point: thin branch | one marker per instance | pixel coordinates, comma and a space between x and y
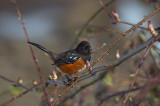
135, 51
141, 27
89, 20
141, 22
114, 31
153, 52
32, 52
144, 91
144, 56
13, 82
105, 8
22, 94
117, 94
128, 23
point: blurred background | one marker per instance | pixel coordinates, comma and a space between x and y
55, 25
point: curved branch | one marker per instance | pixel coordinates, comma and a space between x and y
117, 94
18, 84
89, 20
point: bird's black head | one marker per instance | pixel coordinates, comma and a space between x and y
84, 48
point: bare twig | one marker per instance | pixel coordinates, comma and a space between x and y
32, 52
114, 31
13, 82
144, 91
89, 20
140, 65
141, 22
153, 52
128, 23
105, 8
117, 94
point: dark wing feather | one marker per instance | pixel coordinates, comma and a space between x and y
68, 57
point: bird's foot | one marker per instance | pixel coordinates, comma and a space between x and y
70, 80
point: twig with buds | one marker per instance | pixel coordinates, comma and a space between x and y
13, 82
22, 94
31, 50
140, 65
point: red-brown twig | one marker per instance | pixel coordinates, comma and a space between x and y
144, 91
114, 31
105, 8
32, 52
128, 23
144, 56
141, 22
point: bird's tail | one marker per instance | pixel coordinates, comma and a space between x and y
52, 56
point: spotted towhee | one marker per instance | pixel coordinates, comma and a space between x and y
72, 61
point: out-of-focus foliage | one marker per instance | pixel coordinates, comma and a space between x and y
15, 90
108, 80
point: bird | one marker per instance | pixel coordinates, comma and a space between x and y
71, 61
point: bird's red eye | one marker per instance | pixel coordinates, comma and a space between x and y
85, 47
